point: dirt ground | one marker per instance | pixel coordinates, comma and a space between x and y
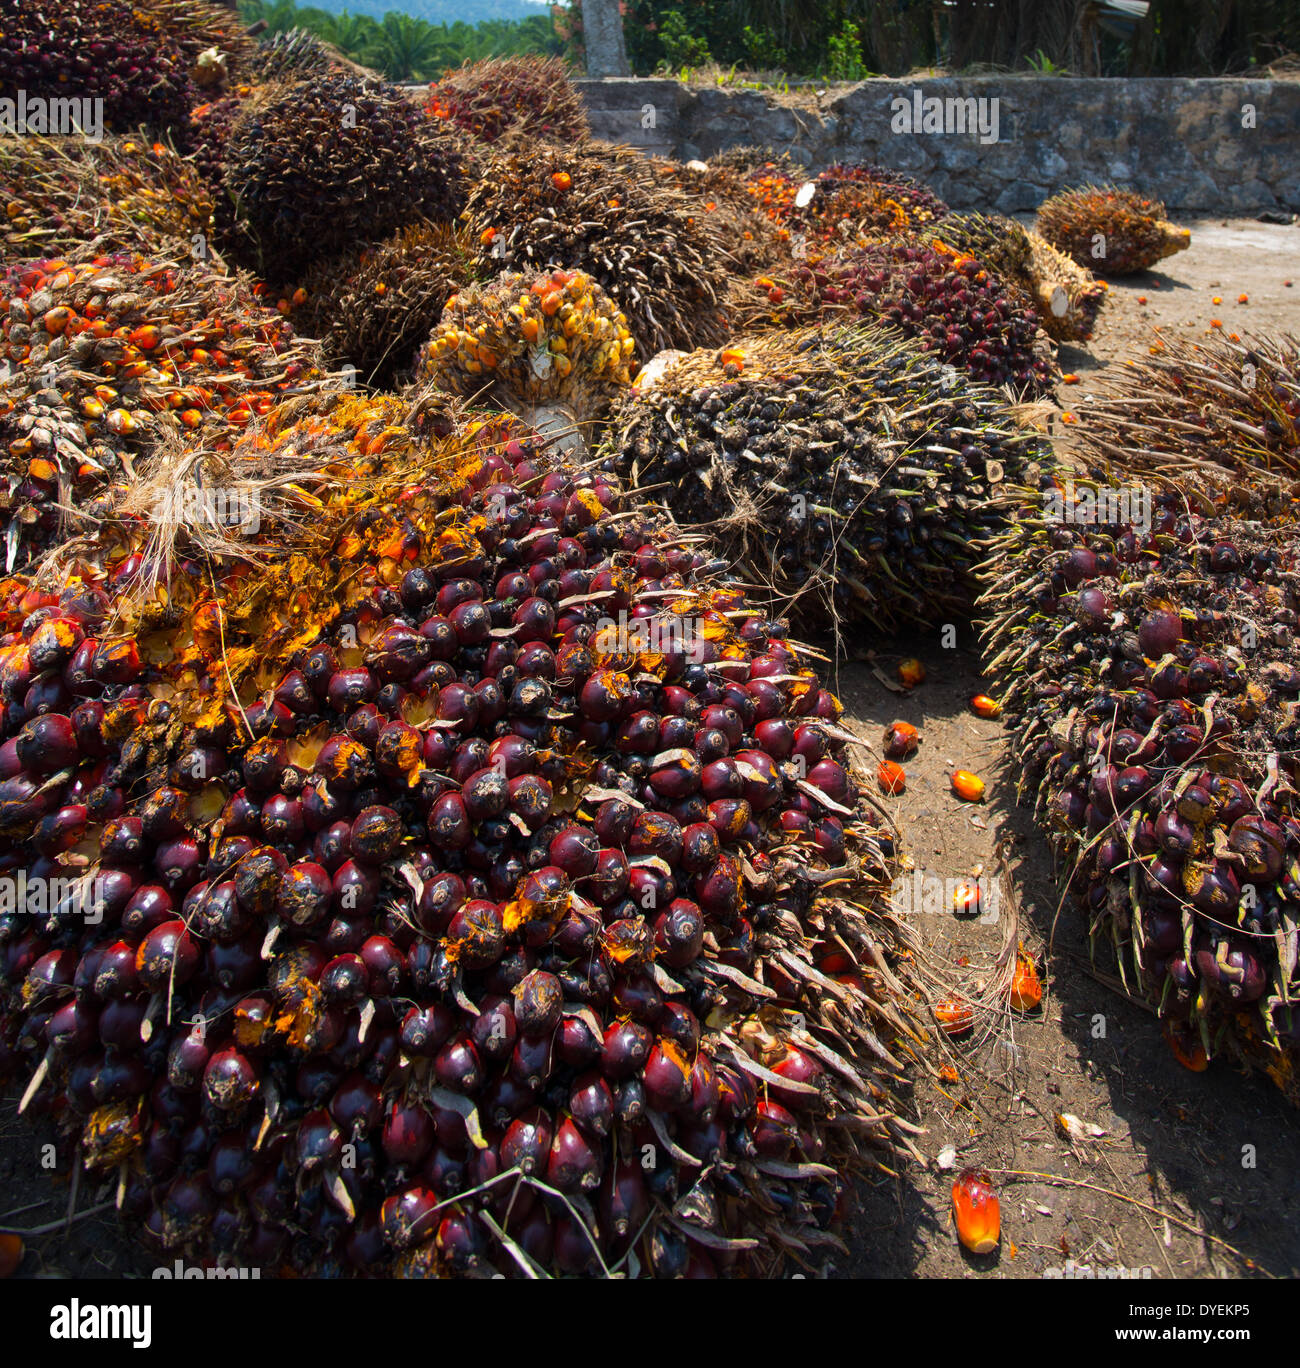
1179, 1197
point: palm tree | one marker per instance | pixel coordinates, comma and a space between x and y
352, 33
407, 49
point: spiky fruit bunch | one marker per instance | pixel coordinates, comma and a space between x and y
99, 50
1068, 296
747, 158
292, 55
510, 97
212, 38
854, 475
846, 204
605, 211
957, 311
374, 308
1065, 297
331, 162
112, 355
753, 242
1220, 415
1111, 231
122, 192
511, 901
552, 347
1147, 656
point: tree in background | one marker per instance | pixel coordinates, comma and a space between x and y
602, 31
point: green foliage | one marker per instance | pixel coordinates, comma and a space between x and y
403, 48
844, 54
681, 47
762, 51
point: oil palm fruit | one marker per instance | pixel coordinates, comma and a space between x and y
517, 99
1111, 231
1065, 297
1151, 678
114, 355
957, 311
753, 242
124, 192
105, 50
374, 307
850, 472
607, 212
552, 347
388, 785
1220, 415
332, 161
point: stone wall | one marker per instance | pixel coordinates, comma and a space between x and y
1222, 146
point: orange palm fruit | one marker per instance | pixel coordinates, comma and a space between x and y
891, 777
1187, 1047
967, 786
901, 739
984, 706
954, 1016
1026, 987
976, 1211
561, 180
911, 672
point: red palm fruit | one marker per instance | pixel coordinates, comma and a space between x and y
774, 1130
168, 957
305, 895
375, 835
425, 1029
494, 1031
575, 850
356, 889
476, 934
120, 1023
577, 1044
449, 823
409, 1217
706, 1093
538, 1002
700, 847
532, 1060
667, 1076
345, 979
624, 1200
149, 906
115, 975
385, 966
318, 1142
591, 1104
457, 1065
679, 933
613, 823
47, 744
230, 1082
408, 1134
574, 1164
976, 1211
526, 1144
800, 1068
442, 898
718, 891
625, 1049
356, 1105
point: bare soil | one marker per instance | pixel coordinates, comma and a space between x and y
1171, 1155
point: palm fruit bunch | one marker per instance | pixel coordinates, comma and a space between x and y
449, 927
552, 348
1065, 297
1146, 655
958, 311
1115, 232
105, 50
515, 98
753, 243
606, 211
1069, 297
1219, 415
375, 307
122, 192
111, 355
853, 474
330, 162
293, 55
845, 204
211, 37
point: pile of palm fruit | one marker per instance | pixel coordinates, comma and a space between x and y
405, 848
518, 99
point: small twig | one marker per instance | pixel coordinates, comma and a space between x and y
61, 1224
1133, 1201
